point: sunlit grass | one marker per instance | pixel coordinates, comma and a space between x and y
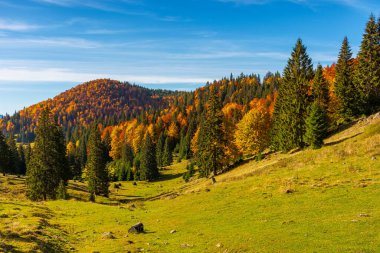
323, 200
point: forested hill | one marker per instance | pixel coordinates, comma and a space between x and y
106, 101
111, 102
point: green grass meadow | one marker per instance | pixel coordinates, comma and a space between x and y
325, 200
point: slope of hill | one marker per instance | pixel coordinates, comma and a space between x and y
110, 103
102, 100
323, 200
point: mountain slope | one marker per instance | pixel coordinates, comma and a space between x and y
102, 100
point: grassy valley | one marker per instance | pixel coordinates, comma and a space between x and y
324, 200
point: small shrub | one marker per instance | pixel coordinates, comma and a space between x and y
189, 173
259, 156
92, 197
61, 192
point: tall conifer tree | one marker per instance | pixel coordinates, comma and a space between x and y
292, 102
13, 155
345, 91
320, 88
167, 156
22, 163
4, 154
367, 77
211, 141
148, 166
47, 165
97, 174
160, 150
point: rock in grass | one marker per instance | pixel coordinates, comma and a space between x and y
289, 191
186, 245
108, 235
138, 228
219, 245
173, 231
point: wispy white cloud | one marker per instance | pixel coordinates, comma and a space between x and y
67, 75
49, 42
103, 31
227, 54
323, 57
97, 5
360, 5
7, 25
106, 7
106, 31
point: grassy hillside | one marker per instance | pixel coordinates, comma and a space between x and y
325, 200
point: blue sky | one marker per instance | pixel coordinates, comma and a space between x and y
49, 46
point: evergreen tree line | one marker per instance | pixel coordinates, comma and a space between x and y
301, 112
13, 158
48, 171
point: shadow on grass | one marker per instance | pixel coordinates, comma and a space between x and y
341, 140
77, 188
43, 242
166, 177
127, 196
8, 248
342, 128
23, 205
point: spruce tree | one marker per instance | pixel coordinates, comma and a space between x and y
21, 158
97, 174
148, 166
13, 155
28, 153
320, 88
167, 156
345, 91
127, 153
61, 191
367, 77
211, 141
290, 109
107, 146
60, 149
160, 150
316, 126
4, 154
47, 165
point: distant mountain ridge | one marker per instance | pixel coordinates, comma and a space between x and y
103, 100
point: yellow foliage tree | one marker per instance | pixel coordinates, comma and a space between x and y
116, 143
252, 133
173, 131
138, 137
70, 148
194, 141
